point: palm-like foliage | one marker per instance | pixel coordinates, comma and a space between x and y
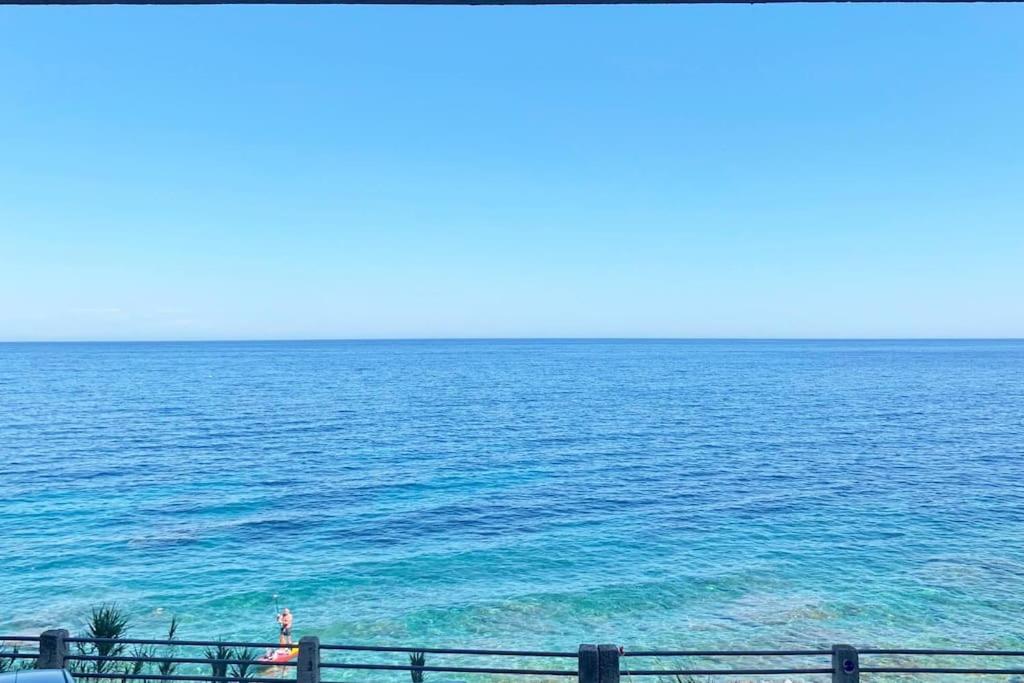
689, 679
134, 668
247, 657
216, 655
166, 667
7, 663
10, 662
107, 624
417, 660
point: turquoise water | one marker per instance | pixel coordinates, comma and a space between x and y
520, 494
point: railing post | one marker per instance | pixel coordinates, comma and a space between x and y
608, 663
307, 668
588, 664
845, 664
53, 648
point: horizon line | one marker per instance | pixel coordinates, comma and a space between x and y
481, 3
281, 340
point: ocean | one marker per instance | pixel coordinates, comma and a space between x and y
520, 494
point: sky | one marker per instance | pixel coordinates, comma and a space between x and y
306, 172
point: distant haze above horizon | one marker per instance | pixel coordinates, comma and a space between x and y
290, 172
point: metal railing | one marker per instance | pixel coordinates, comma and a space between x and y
110, 660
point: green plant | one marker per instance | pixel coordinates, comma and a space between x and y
689, 679
166, 667
140, 652
11, 662
107, 624
7, 663
138, 666
247, 658
417, 660
216, 656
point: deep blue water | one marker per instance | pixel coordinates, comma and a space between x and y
520, 493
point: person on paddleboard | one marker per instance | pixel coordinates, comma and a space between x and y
285, 620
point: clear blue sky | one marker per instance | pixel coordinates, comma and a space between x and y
673, 171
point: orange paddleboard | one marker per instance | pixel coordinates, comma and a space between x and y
279, 656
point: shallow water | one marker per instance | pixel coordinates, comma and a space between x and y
527, 494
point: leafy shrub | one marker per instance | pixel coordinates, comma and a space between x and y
247, 657
108, 624
218, 668
166, 667
417, 660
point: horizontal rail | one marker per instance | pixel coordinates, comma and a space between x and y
815, 653
449, 669
173, 660
183, 643
448, 651
111, 675
724, 672
983, 653
591, 663
933, 670
726, 653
